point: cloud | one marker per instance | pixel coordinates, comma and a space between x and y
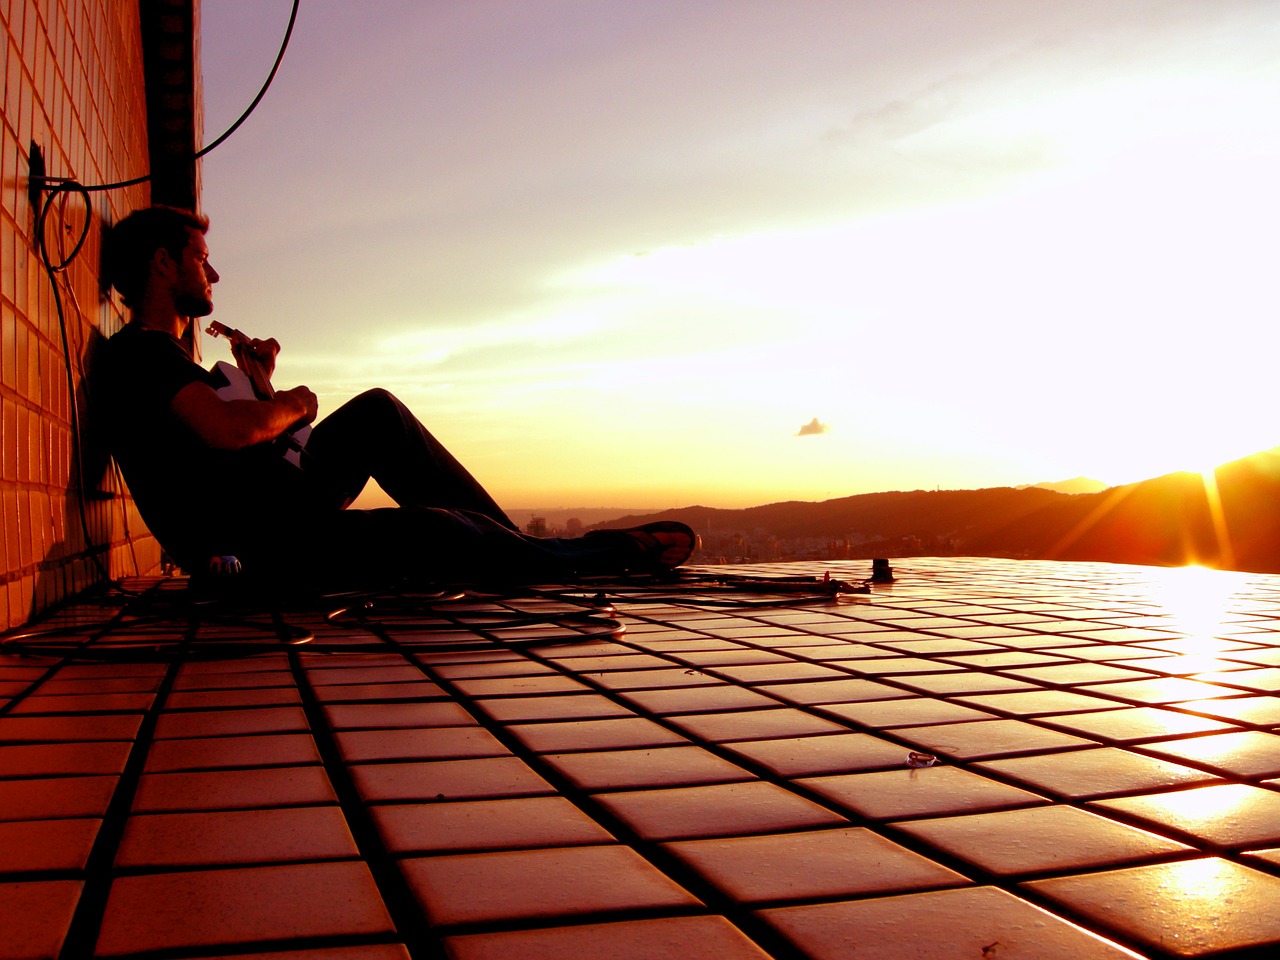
813, 428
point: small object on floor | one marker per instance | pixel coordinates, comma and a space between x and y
881, 572
224, 566
921, 759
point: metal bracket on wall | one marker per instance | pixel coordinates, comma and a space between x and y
35, 177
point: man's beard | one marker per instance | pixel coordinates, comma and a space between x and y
194, 305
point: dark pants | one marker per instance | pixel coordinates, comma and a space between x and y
446, 528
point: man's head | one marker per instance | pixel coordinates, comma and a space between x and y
161, 245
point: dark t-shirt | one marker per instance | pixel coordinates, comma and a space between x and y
199, 502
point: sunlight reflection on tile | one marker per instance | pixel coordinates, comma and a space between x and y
1196, 599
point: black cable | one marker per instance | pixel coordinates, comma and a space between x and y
52, 270
284, 45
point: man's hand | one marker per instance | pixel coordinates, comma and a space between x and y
260, 352
301, 398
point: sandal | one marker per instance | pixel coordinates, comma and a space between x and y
664, 544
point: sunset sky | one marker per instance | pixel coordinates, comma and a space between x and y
652, 253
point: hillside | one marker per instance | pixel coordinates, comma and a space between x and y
1169, 520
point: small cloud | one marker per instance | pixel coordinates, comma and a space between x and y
813, 428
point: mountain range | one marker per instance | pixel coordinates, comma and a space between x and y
1229, 519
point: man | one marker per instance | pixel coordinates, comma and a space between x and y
210, 480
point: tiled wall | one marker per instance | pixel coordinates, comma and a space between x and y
73, 85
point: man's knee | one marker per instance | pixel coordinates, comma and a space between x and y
378, 395
379, 402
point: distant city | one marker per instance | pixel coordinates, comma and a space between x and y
1229, 518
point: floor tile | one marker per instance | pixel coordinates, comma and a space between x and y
1264, 680
381, 716
233, 790
1039, 702
1041, 840
1073, 674
522, 686
772, 673
674, 766
448, 780
539, 885
977, 922
1158, 690
377, 692
332, 672
1229, 815
1135, 724
189, 680
1098, 772
672, 938
213, 753
218, 723
55, 797
723, 658
36, 915
924, 647
720, 696
1261, 711
42, 845
609, 734
754, 725
390, 951
235, 836
217, 699
989, 738
438, 743
810, 756
932, 791
717, 810
880, 714
103, 703
1249, 753
583, 706
896, 666
80, 727
476, 825
812, 864
850, 690
1006, 659
1190, 909
963, 681
56, 759
204, 908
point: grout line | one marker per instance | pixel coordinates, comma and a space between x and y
86, 921
420, 939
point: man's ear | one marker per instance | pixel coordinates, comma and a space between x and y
163, 263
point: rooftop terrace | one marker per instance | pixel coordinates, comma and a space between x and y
990, 760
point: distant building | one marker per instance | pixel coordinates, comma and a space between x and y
537, 527
573, 526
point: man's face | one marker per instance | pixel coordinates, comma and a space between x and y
192, 290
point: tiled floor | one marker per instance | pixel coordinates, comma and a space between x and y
702, 772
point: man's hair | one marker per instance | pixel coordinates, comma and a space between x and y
132, 243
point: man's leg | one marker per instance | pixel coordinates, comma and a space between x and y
375, 435
357, 548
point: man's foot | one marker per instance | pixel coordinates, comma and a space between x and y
664, 544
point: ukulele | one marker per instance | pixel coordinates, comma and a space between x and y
248, 380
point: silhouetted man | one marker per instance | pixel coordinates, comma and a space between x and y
211, 479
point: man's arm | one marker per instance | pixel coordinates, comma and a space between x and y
234, 424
